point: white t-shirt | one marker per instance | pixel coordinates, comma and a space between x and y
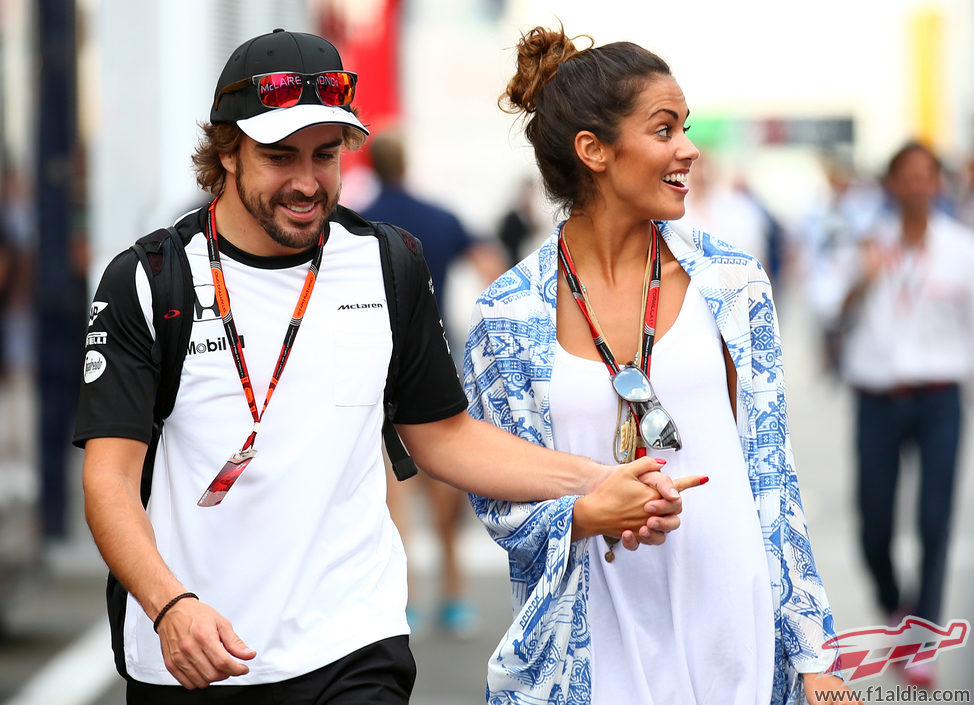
915, 324
689, 622
301, 556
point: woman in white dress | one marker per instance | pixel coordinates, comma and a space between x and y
730, 609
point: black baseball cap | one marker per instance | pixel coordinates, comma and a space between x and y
278, 51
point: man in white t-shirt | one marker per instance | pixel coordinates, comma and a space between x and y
907, 297
284, 572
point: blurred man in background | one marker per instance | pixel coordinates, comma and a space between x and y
717, 204
831, 224
906, 296
445, 242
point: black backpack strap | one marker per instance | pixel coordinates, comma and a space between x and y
164, 260
397, 252
163, 257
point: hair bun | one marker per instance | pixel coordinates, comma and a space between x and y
539, 54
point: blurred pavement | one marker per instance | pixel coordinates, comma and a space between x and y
54, 649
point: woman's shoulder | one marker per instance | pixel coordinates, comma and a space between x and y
526, 281
699, 250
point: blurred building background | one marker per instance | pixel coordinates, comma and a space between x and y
99, 106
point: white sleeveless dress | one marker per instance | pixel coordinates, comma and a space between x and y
689, 622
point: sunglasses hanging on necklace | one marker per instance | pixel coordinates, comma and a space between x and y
656, 427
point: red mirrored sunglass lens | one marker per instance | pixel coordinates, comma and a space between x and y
335, 88
280, 90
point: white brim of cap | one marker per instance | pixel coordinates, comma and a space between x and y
275, 125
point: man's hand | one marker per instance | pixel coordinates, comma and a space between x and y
635, 502
199, 645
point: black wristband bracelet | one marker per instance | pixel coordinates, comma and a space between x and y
173, 601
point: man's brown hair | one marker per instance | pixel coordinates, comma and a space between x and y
224, 138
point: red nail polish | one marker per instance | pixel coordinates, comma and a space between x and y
705, 480
660, 461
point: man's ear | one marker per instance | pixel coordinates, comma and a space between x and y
591, 151
229, 162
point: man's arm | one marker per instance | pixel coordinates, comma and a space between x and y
481, 458
871, 264
478, 457
198, 644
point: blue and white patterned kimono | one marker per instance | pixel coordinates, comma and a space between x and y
545, 657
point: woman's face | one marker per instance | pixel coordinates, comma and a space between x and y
648, 166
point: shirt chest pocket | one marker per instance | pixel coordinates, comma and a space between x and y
362, 361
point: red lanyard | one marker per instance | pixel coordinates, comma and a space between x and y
223, 300
650, 306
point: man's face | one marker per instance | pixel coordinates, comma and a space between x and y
292, 186
915, 181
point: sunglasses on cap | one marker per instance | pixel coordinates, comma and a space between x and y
284, 89
656, 426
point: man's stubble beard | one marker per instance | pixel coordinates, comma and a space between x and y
263, 213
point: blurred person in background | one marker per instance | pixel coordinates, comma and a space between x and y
731, 608
293, 584
6, 286
905, 295
16, 314
776, 263
834, 222
965, 197
445, 242
724, 206
518, 225
60, 321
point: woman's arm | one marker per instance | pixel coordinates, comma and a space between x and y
822, 688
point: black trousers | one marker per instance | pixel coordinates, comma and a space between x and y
382, 673
930, 420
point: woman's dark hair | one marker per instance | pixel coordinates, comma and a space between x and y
562, 91
224, 138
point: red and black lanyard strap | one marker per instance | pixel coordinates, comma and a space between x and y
651, 286
236, 349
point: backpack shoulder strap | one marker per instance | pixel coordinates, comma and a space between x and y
163, 257
399, 253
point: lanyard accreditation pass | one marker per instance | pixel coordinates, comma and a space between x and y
224, 480
651, 286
